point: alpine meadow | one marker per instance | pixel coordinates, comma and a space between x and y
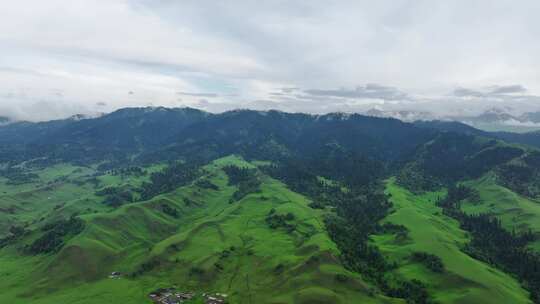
269, 152
184, 206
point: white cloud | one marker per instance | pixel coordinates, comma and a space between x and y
87, 55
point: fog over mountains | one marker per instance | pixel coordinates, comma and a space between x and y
491, 119
450, 59
494, 119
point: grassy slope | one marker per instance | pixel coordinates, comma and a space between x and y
125, 238
515, 211
465, 280
26, 204
57, 193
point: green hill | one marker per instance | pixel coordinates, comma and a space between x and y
212, 245
517, 212
265, 207
464, 279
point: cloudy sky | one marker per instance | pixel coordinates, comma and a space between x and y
62, 57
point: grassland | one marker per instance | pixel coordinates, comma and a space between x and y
213, 245
465, 280
216, 245
517, 213
60, 191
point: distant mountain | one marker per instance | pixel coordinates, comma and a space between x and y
126, 128
155, 133
154, 204
451, 126
527, 138
530, 117
5, 120
494, 119
403, 115
112, 136
494, 115
160, 133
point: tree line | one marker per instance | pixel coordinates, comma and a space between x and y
245, 179
359, 206
493, 244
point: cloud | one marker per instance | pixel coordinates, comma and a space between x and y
464, 92
490, 91
289, 90
242, 53
369, 91
38, 110
209, 95
509, 89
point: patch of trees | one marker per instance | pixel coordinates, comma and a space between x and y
495, 245
299, 178
175, 175
170, 211
245, 188
15, 233
55, 234
335, 162
132, 171
218, 265
413, 291
189, 202
401, 232
238, 175
356, 219
196, 271
455, 195
128, 171
116, 196
206, 184
18, 176
415, 179
522, 177
145, 267
393, 228
245, 179
431, 261
276, 221
463, 156
359, 210
518, 178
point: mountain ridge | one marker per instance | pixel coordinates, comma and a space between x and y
154, 198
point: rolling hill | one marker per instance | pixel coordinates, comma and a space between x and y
265, 207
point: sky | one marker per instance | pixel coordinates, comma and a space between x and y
460, 57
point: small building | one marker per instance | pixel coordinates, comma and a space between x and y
115, 275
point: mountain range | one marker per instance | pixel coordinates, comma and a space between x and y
159, 205
493, 119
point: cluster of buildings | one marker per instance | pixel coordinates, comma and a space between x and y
218, 298
172, 296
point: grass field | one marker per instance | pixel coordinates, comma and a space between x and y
213, 246
515, 211
60, 191
218, 246
465, 280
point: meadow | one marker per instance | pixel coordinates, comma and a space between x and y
464, 279
213, 245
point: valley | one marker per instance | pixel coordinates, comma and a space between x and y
463, 279
211, 245
256, 207
269, 152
